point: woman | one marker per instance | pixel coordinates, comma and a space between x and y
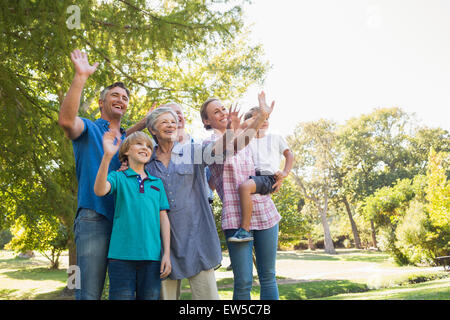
194, 244
226, 178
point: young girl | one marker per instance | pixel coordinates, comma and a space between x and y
266, 149
135, 262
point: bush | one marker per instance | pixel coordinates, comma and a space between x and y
5, 237
411, 235
387, 242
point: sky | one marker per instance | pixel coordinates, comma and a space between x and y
337, 59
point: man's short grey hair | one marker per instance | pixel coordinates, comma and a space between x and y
115, 84
155, 114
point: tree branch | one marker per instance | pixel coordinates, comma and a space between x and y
123, 72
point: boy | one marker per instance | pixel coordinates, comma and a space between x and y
266, 153
135, 265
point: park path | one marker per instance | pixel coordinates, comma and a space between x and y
297, 266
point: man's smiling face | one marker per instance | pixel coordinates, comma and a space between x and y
115, 103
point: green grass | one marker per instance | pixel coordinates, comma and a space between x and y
297, 291
37, 274
31, 279
342, 255
430, 290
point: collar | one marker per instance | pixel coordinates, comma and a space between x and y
105, 124
131, 173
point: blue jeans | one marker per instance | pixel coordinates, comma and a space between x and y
134, 280
92, 234
265, 243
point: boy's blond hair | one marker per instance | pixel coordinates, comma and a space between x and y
132, 139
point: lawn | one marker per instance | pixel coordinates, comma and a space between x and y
302, 275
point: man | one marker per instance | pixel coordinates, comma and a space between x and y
93, 221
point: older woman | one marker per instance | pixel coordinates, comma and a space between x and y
226, 178
195, 246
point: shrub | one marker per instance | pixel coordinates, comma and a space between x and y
5, 237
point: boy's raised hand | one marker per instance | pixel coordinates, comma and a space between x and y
81, 63
110, 144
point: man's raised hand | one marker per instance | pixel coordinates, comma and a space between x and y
81, 63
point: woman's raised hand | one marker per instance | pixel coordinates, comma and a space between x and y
234, 119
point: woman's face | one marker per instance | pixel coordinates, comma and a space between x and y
166, 127
217, 115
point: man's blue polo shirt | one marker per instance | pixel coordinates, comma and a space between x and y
136, 229
88, 150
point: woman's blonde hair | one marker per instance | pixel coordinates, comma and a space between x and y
132, 139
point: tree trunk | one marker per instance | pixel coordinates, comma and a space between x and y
328, 242
352, 223
72, 252
374, 238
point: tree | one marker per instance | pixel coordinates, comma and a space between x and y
438, 197
413, 214
179, 50
313, 147
438, 189
289, 203
381, 147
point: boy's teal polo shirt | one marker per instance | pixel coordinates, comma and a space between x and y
136, 227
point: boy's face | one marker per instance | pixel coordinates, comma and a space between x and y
139, 152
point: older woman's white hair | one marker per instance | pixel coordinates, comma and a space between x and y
171, 103
155, 114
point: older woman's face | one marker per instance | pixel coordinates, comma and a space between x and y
217, 115
166, 127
